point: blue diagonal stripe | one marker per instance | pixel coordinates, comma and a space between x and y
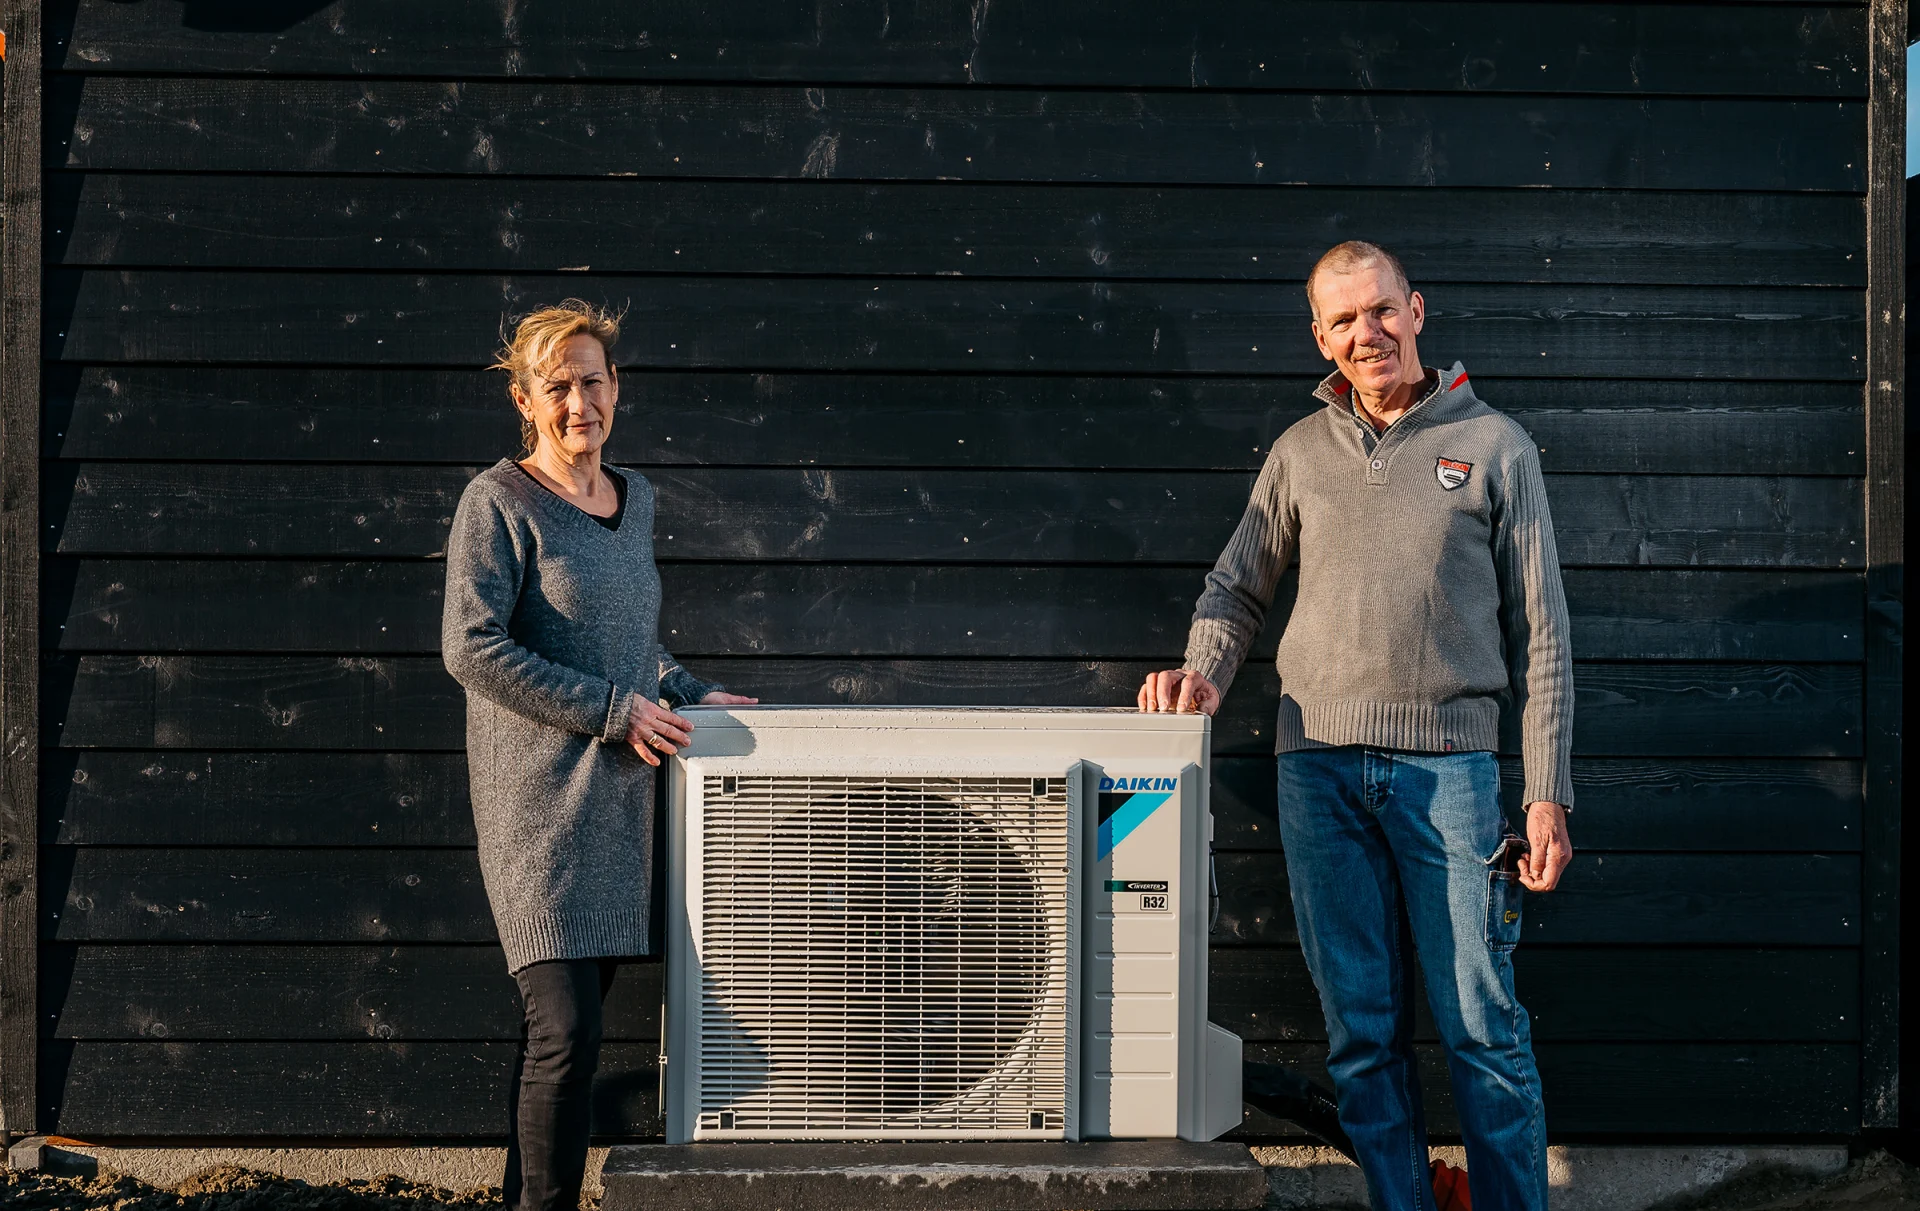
1127, 817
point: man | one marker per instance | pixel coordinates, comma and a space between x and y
1429, 600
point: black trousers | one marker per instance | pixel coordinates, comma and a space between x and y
550, 1102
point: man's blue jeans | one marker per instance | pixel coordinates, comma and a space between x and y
1388, 853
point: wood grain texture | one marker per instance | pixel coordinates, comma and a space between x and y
20, 315
342, 993
932, 228
181, 124
838, 420
387, 800
1739, 1089
1788, 49
905, 516
1613, 899
393, 608
381, 800
1583, 994
410, 703
105, 894
1709, 806
458, 1090
1886, 509
264, 895
943, 324
188, 993
361, 1090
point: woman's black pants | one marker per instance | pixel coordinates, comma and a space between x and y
550, 1102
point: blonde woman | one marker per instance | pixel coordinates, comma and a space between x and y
552, 626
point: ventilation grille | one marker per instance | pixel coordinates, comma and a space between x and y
883, 956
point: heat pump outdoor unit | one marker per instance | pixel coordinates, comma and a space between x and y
952, 923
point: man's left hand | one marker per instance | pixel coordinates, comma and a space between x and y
1552, 850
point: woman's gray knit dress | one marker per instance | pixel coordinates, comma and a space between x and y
552, 626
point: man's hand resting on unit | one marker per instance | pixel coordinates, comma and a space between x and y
1179, 690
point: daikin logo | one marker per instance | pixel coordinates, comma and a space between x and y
1138, 784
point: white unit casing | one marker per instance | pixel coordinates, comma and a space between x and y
941, 923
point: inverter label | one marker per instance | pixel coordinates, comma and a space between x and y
1125, 804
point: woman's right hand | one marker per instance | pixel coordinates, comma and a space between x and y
653, 730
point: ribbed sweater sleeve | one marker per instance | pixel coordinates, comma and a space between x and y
1533, 617
1240, 589
679, 687
484, 571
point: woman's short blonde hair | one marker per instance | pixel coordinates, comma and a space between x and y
536, 340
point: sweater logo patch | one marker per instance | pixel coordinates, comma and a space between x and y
1451, 473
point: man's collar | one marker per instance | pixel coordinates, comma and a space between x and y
1338, 392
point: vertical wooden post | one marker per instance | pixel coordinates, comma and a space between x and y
19, 566
1886, 540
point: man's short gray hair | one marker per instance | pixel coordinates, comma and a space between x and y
1352, 255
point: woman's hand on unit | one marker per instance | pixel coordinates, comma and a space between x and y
653, 730
722, 698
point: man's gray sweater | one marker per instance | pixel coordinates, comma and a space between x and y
552, 625
1430, 594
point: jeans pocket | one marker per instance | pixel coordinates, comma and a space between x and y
1503, 911
1503, 901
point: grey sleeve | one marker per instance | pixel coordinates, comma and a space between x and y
1533, 620
1240, 589
485, 566
679, 687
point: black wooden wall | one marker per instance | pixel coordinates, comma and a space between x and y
955, 336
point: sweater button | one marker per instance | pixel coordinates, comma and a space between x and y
1377, 464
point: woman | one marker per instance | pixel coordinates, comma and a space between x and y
552, 626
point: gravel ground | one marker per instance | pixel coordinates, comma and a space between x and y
1874, 1183
228, 1189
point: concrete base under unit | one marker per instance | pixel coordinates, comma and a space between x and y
1002, 1176
1583, 1178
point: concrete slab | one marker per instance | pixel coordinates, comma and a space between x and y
1137, 1175
1579, 1178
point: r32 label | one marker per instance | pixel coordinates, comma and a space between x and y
1157, 903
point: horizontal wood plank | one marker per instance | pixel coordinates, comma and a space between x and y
150, 1089
428, 993
308, 1090
1616, 899
931, 516
1786, 49
718, 419
875, 610
188, 798
1578, 994
181, 124
1727, 805
1735, 1089
410, 703
929, 228
263, 895
105, 894
265, 992
942, 324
